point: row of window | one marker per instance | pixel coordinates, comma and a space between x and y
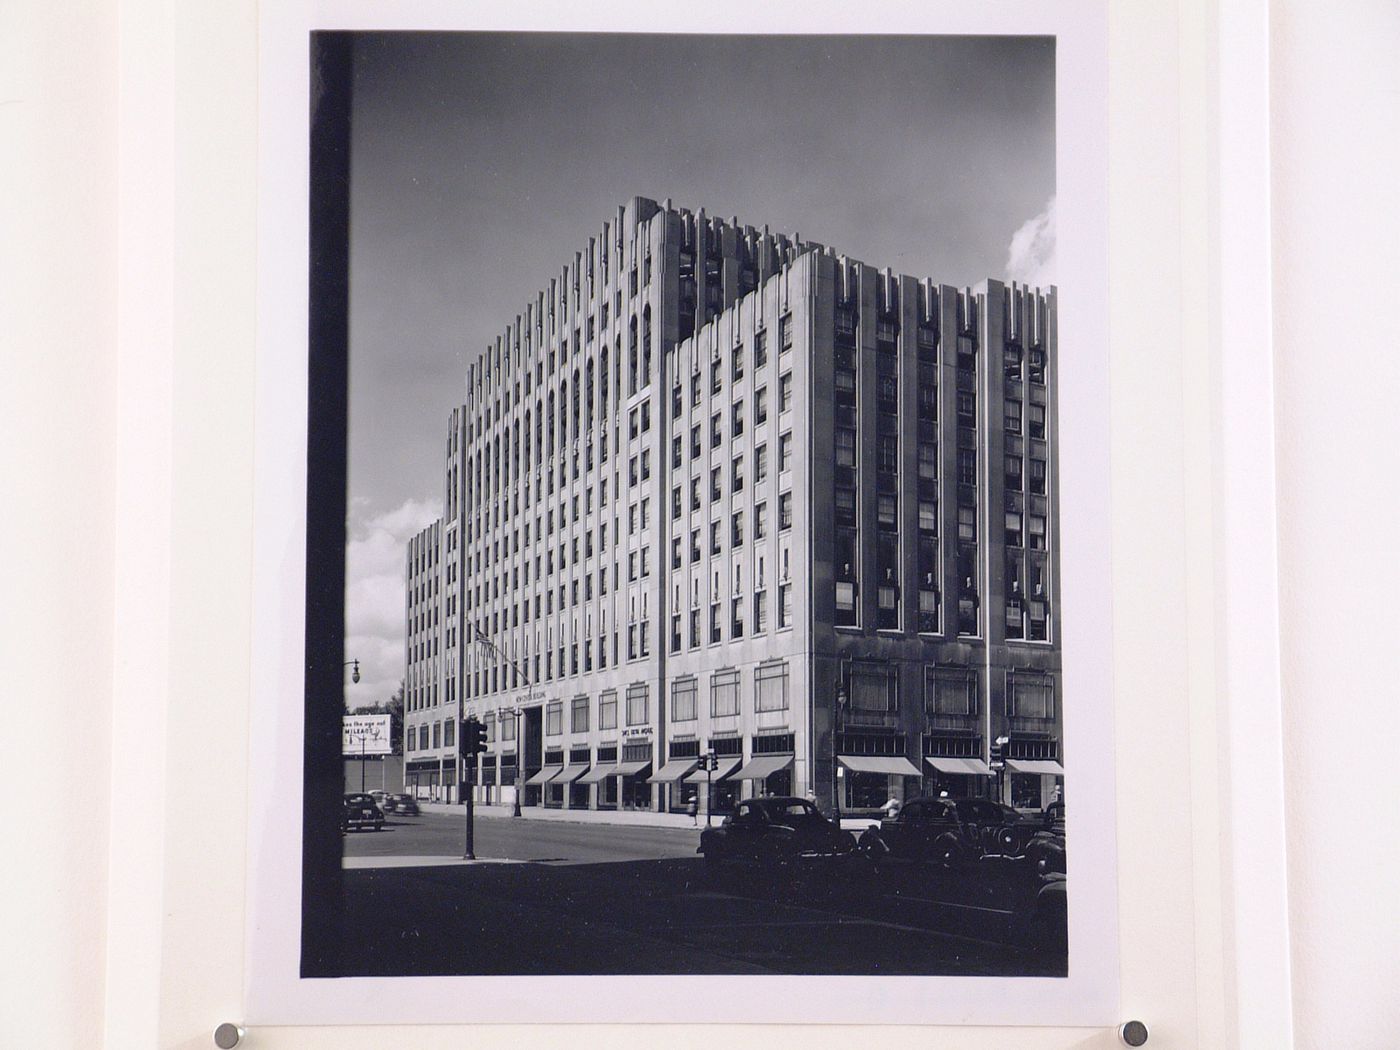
869, 693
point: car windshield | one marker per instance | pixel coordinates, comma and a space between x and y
792, 810
360, 799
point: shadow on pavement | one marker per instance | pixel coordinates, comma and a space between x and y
671, 917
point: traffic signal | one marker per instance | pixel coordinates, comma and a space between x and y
998, 752
709, 760
473, 738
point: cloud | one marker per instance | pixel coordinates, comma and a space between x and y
374, 592
1031, 257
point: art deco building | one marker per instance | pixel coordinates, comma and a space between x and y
718, 489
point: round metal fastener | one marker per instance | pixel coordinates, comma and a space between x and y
228, 1035
1133, 1033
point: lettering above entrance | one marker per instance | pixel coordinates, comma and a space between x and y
637, 731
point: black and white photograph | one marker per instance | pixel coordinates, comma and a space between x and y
701, 578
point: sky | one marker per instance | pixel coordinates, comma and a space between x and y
480, 162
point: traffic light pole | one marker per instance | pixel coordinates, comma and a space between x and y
470, 852
471, 741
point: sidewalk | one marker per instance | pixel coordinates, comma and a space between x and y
629, 817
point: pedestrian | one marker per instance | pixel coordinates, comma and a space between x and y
891, 807
693, 808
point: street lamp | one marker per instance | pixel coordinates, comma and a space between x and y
355, 672
484, 640
515, 712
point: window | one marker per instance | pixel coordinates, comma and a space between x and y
578, 718
928, 610
1013, 473
874, 688
607, 710
1037, 532
715, 489
724, 694
1030, 696
736, 618
760, 407
714, 538
785, 452
676, 452
760, 464
1013, 529
683, 708
784, 605
785, 511
737, 474
886, 511
771, 688
553, 719
1038, 476
845, 440
845, 602
738, 365
967, 615
928, 515
967, 466
785, 332
887, 454
1013, 416
637, 713
785, 392
716, 430
950, 692
1015, 627
695, 441
1037, 427
760, 521
928, 461
1039, 616
967, 524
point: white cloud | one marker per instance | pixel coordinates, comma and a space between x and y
374, 593
1031, 256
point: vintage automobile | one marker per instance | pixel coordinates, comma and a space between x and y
775, 835
1045, 852
361, 812
949, 831
401, 805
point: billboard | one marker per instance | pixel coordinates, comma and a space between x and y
365, 735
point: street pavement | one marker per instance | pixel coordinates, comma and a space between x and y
552, 897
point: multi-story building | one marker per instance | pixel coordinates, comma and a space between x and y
717, 489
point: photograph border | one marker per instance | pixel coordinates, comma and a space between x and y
277, 994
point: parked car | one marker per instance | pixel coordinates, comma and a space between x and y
1046, 850
775, 834
949, 831
361, 812
1048, 928
401, 805
380, 796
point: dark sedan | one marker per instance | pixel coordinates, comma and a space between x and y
361, 812
401, 805
949, 831
774, 834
